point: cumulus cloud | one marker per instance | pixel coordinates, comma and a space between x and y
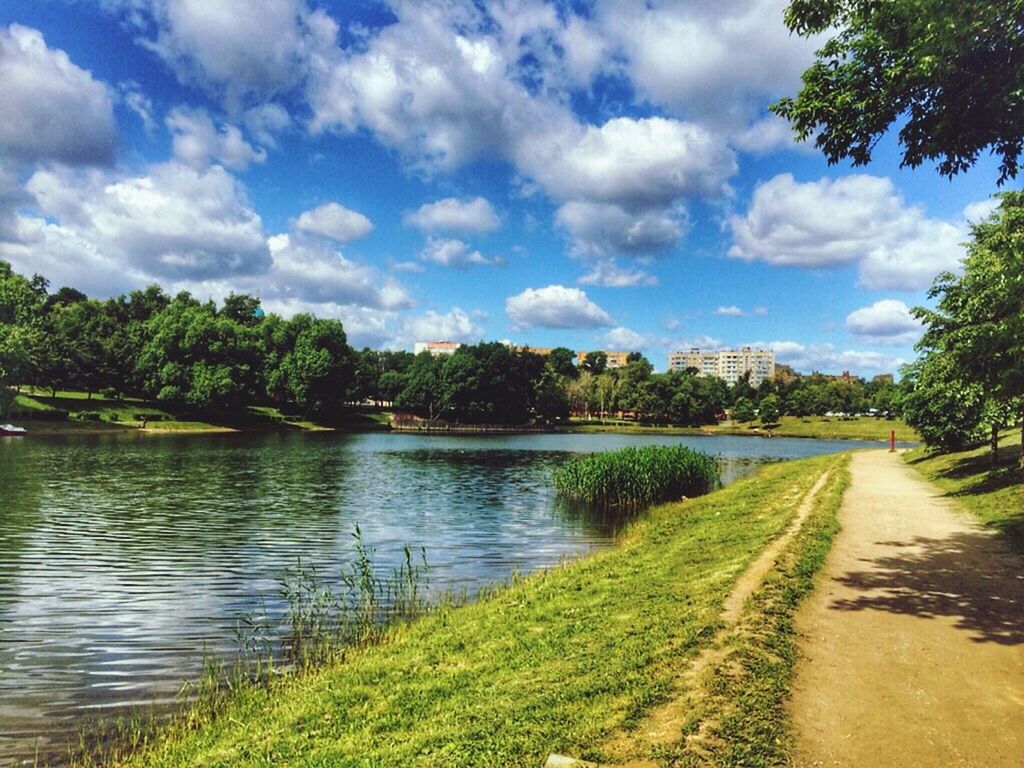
52, 110
827, 359
316, 273
555, 306
175, 222
610, 275
455, 253
981, 210
599, 229
454, 325
197, 142
857, 219
336, 222
885, 322
473, 216
624, 338
730, 311
234, 49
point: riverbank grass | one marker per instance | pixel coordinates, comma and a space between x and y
994, 496
555, 662
820, 427
102, 414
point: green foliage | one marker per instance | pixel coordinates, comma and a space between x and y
595, 363
977, 326
551, 400
318, 370
563, 360
940, 404
769, 409
743, 410
948, 70
637, 476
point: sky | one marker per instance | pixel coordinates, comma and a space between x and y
597, 174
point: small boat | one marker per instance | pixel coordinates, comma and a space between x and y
9, 430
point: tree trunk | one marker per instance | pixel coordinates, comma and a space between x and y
993, 450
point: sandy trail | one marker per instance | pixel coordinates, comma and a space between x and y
913, 649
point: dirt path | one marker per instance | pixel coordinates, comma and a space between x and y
914, 639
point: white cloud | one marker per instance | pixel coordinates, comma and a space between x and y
704, 60
610, 275
312, 272
599, 229
234, 49
197, 142
624, 338
51, 109
981, 210
455, 325
474, 216
455, 253
139, 103
336, 222
825, 358
856, 219
266, 122
767, 135
885, 322
407, 266
730, 311
174, 222
555, 306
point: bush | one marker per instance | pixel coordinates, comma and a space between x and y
638, 476
87, 416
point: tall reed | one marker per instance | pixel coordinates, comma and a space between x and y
637, 476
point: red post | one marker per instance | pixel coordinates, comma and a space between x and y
892, 441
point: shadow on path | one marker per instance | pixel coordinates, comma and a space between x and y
966, 576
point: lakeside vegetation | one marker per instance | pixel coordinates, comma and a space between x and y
995, 495
819, 427
555, 662
637, 477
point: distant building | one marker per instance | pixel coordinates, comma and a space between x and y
615, 359
883, 378
544, 351
727, 364
436, 348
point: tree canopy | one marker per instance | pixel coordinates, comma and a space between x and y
949, 72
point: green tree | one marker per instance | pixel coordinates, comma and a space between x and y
940, 404
769, 409
595, 363
320, 367
563, 360
978, 320
551, 399
949, 71
743, 410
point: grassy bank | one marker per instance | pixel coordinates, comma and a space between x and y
553, 663
994, 496
97, 414
821, 427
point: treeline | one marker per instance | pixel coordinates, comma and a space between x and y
187, 353
969, 379
196, 355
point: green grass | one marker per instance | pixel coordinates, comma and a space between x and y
555, 662
638, 476
994, 496
739, 717
822, 427
122, 413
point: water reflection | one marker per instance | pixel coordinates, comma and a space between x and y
125, 558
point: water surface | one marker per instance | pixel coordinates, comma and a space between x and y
124, 559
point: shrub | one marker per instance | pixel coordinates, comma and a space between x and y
87, 416
637, 476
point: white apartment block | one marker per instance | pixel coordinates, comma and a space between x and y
727, 364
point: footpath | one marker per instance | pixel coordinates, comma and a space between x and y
913, 640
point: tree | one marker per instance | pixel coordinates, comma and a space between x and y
769, 409
551, 399
595, 363
950, 70
978, 320
319, 368
743, 410
563, 361
940, 404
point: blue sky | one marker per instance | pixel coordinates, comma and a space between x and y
597, 174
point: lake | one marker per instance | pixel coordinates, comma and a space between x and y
125, 559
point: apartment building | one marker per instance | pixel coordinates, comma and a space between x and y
436, 348
727, 364
615, 359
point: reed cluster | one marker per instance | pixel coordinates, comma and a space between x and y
637, 476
